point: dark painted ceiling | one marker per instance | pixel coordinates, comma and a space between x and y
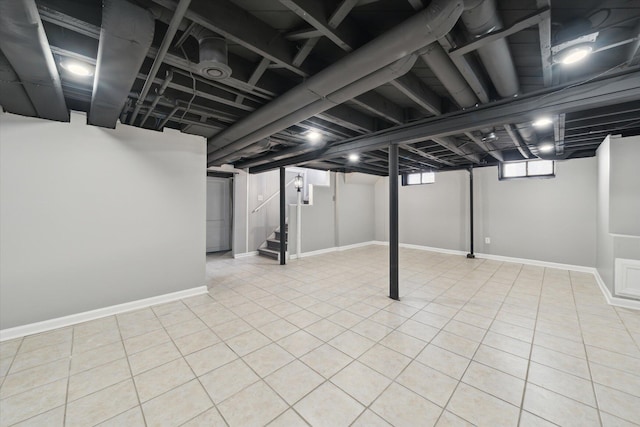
466, 95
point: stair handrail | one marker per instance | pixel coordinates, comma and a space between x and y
261, 205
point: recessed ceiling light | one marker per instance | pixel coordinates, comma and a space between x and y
314, 136
542, 122
77, 68
546, 147
354, 157
574, 54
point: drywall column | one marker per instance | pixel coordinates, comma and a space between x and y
393, 223
283, 226
470, 254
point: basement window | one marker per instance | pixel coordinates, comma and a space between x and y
527, 169
418, 178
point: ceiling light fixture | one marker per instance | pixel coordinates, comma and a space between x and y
354, 157
575, 53
314, 136
77, 68
542, 122
546, 147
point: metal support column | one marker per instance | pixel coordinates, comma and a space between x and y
470, 254
393, 223
283, 226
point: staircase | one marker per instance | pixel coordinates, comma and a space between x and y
270, 248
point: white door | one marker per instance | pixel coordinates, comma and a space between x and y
218, 214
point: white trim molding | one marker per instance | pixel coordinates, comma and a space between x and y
245, 254
627, 277
613, 300
60, 322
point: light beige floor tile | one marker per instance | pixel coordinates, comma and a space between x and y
562, 345
563, 362
52, 418
246, 343
210, 358
465, 330
33, 402
34, 377
328, 406
613, 360
299, 343
613, 378
10, 348
494, 382
502, 361
326, 360
228, 380
513, 331
481, 408
302, 318
98, 378
102, 405
560, 382
177, 316
294, 381
91, 359
209, 418
284, 309
163, 378
384, 360
351, 343
507, 344
176, 406
418, 330
557, 408
362, 309
325, 329
428, 383
185, 328
361, 382
197, 341
455, 344
402, 407
278, 329
153, 357
134, 328
443, 361
403, 343
372, 330
345, 318
268, 359
131, 418
99, 339
31, 359
370, 419
288, 419
527, 419
616, 402
45, 339
255, 405
388, 319
609, 420
432, 319
260, 318
145, 341
447, 419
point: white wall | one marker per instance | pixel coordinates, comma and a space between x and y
92, 217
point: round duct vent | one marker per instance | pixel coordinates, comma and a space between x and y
213, 58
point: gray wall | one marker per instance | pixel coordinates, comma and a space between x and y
550, 220
355, 209
93, 217
618, 219
542, 219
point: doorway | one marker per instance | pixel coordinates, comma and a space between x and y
219, 213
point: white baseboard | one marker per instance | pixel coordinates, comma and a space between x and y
60, 322
613, 300
538, 263
332, 249
245, 254
422, 248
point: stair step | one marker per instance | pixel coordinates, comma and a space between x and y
269, 253
286, 235
274, 244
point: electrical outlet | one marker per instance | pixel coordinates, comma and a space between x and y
487, 240
260, 197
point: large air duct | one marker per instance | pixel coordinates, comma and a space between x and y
13, 97
481, 17
125, 37
418, 31
24, 43
213, 62
444, 69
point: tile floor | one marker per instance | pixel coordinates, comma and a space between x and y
472, 342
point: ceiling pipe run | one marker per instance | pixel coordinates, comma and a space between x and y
125, 38
178, 15
481, 17
25, 45
373, 80
158, 96
415, 33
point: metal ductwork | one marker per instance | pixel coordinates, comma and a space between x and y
13, 97
373, 80
25, 45
213, 62
418, 31
481, 17
125, 37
